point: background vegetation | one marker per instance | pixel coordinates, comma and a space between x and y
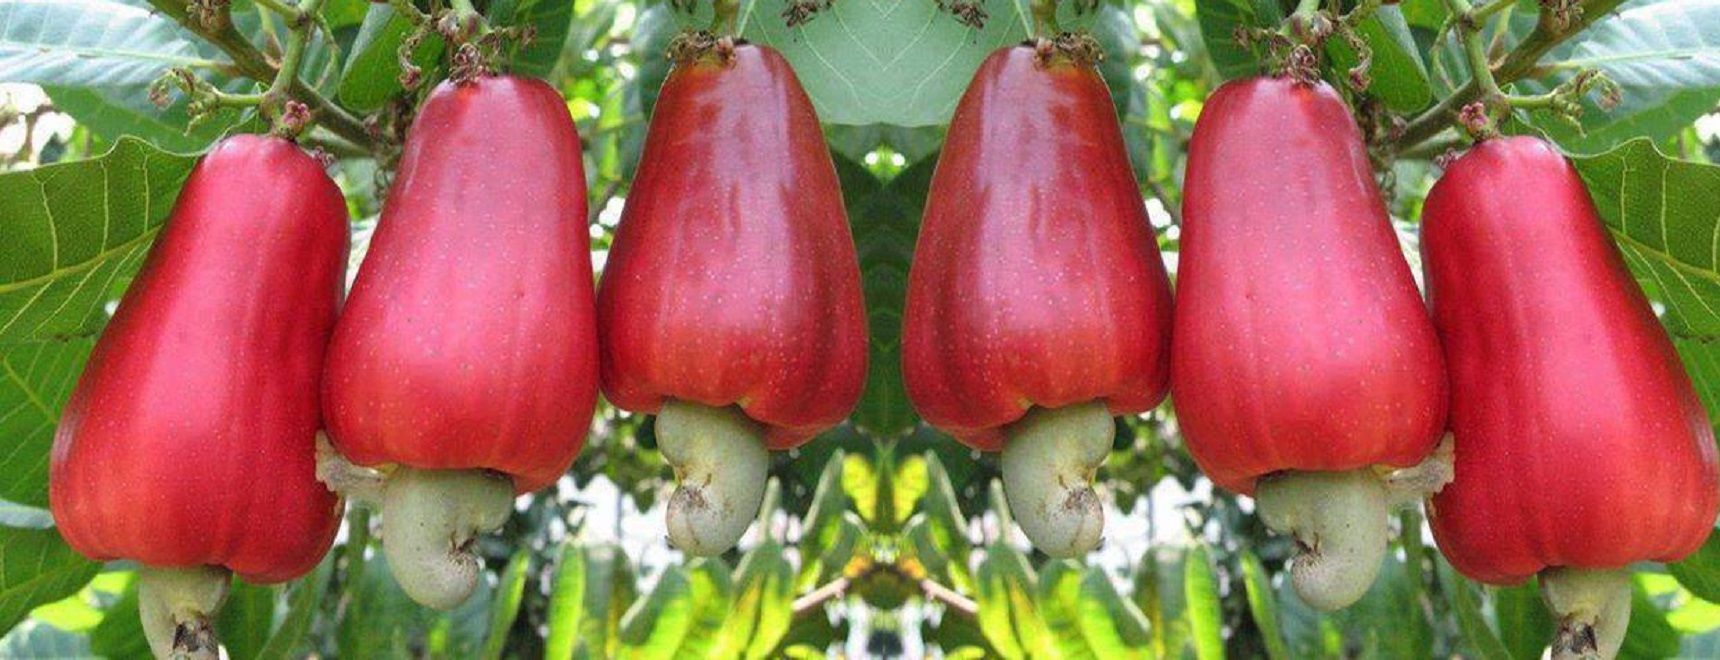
883, 538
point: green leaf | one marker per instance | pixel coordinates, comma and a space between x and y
245, 619
823, 524
35, 381
1524, 624
1205, 612
1086, 617
566, 603
763, 605
909, 485
683, 614
1665, 57
899, 62
92, 43
1263, 605
885, 217
506, 605
380, 620
1009, 615
550, 21
120, 634
302, 605
1158, 592
1649, 634
860, 482
937, 536
1219, 21
1398, 76
121, 110
1389, 621
589, 628
1461, 596
73, 231
372, 72
1700, 572
37, 568
1661, 213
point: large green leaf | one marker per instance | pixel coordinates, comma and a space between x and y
1219, 22
73, 231
92, 43
885, 218
36, 568
1661, 213
372, 72
550, 21
35, 380
900, 62
1664, 55
1398, 76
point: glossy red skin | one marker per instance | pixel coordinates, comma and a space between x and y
733, 278
1300, 340
190, 438
1036, 279
469, 340
1579, 440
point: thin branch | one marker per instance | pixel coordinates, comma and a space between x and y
953, 601
814, 600
252, 64
1517, 65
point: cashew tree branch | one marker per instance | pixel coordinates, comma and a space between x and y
254, 65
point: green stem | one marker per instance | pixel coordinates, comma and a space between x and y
725, 17
280, 8
1482, 13
251, 63
409, 10
1516, 66
1045, 18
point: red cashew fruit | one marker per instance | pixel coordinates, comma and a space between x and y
1304, 360
466, 359
1580, 444
730, 304
1038, 306
188, 444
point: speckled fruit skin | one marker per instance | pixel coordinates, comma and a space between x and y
1036, 279
190, 438
1300, 340
1579, 440
469, 340
733, 278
